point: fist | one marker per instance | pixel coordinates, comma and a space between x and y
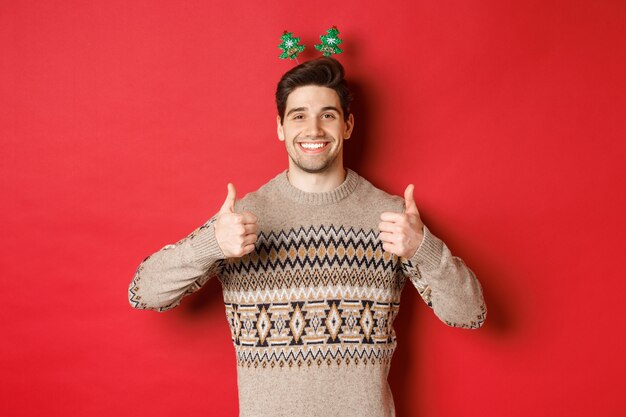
236, 233
402, 233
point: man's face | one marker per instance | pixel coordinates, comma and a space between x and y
314, 129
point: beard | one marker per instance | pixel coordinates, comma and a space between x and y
313, 168
311, 164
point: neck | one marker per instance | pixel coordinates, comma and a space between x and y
317, 182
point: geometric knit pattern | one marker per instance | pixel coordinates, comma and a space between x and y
317, 331
313, 296
312, 249
311, 309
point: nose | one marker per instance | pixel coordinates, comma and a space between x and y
314, 127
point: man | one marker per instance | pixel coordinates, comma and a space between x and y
312, 266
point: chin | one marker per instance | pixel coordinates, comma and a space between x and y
314, 170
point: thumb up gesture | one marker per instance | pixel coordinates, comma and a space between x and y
402, 233
235, 233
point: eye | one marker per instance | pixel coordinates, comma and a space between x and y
298, 117
328, 116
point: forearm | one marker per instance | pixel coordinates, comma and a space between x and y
166, 276
450, 287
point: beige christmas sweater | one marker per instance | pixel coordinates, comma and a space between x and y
311, 309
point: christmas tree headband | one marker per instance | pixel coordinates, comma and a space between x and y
291, 45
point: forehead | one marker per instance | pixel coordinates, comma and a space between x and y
312, 97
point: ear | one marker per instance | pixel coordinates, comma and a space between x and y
347, 132
279, 129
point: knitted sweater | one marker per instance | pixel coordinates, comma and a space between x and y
311, 309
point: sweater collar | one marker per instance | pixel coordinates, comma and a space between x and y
329, 197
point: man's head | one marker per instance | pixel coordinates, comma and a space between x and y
313, 116
324, 72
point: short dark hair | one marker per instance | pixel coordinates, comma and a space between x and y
324, 72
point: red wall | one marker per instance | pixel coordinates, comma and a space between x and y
121, 123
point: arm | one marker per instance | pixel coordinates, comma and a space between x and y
165, 277
445, 283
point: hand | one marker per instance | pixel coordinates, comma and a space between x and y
402, 233
235, 233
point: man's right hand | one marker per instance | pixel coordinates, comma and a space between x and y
235, 233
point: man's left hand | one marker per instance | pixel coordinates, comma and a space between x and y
402, 233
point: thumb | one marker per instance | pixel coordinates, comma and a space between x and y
409, 202
229, 203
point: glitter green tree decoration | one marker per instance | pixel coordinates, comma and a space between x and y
330, 42
290, 46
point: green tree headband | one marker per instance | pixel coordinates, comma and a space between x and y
291, 45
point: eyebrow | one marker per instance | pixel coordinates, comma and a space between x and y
326, 108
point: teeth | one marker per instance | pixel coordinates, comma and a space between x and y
312, 145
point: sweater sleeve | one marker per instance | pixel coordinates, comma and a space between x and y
446, 284
165, 277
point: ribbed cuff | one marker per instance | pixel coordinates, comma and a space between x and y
428, 255
204, 244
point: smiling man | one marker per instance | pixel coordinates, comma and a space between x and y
312, 266
313, 129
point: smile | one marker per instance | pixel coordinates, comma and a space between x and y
313, 147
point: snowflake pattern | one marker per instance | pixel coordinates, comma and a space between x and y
330, 42
290, 46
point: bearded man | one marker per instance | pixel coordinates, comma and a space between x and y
312, 266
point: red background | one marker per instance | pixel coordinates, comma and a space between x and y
121, 123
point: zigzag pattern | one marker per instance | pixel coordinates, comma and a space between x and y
314, 257
322, 247
364, 355
279, 295
273, 280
